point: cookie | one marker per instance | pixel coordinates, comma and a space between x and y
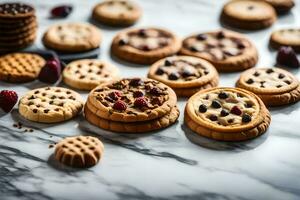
248, 14
117, 12
145, 46
17, 43
227, 114
14, 37
79, 151
186, 75
16, 10
131, 100
20, 67
133, 127
86, 74
286, 37
274, 86
50, 104
21, 30
281, 6
228, 51
72, 37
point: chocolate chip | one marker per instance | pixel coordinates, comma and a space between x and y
281, 76
220, 35
213, 117
248, 105
250, 81
122, 42
279, 86
287, 82
223, 95
192, 48
202, 108
250, 7
230, 121
256, 74
82, 76
142, 32
201, 37
240, 44
246, 118
135, 82
224, 113
46, 110
168, 62
36, 92
186, 73
269, 71
173, 76
159, 71
34, 110
215, 104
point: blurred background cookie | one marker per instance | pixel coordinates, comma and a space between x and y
282, 6
286, 37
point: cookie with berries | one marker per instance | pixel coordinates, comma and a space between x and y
227, 114
186, 75
228, 51
145, 46
274, 86
131, 100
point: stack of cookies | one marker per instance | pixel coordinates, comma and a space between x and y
17, 26
132, 105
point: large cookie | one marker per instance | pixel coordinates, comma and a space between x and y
132, 100
20, 67
286, 37
72, 37
274, 86
248, 14
184, 74
50, 104
145, 46
117, 12
228, 51
228, 114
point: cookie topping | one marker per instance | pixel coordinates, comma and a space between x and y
140, 102
173, 76
202, 108
246, 118
120, 105
137, 94
135, 82
236, 110
213, 117
224, 113
215, 104
223, 95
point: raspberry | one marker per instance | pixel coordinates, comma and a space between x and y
236, 110
61, 11
286, 56
140, 102
120, 105
50, 73
8, 99
137, 94
115, 95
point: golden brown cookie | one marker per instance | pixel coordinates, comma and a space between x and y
16, 11
20, 67
72, 37
286, 37
274, 86
186, 75
145, 46
281, 6
79, 151
132, 100
228, 114
228, 51
117, 12
50, 104
248, 14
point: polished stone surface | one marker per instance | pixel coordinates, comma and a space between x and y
170, 164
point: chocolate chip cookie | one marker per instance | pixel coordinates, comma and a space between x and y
145, 46
227, 114
286, 37
228, 51
274, 86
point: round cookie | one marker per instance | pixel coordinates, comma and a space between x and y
274, 86
227, 114
50, 104
72, 37
186, 75
117, 12
131, 100
282, 6
86, 74
132, 127
32, 27
79, 151
248, 14
20, 67
228, 51
16, 10
145, 46
19, 42
286, 37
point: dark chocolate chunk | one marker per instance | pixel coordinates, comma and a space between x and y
269, 71
250, 81
168, 62
246, 118
159, 71
224, 113
223, 95
281, 76
201, 37
213, 117
202, 108
215, 104
173, 76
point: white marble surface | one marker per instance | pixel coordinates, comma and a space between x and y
162, 165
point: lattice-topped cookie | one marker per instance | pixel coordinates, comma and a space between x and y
145, 45
88, 73
20, 67
275, 86
225, 49
286, 37
50, 104
79, 151
132, 99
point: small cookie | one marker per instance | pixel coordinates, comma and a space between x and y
281, 6
19, 42
286, 37
79, 151
117, 12
186, 75
132, 100
20, 67
21, 30
72, 37
16, 10
228, 51
248, 14
133, 127
86, 74
274, 86
50, 104
145, 46
228, 114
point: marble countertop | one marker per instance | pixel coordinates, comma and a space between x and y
170, 164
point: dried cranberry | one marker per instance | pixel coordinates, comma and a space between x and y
136, 82
145, 48
137, 94
140, 102
286, 56
236, 110
61, 11
120, 105
155, 91
115, 95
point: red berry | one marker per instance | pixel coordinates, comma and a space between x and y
8, 99
61, 11
236, 110
286, 56
140, 102
120, 105
137, 94
115, 95
50, 73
